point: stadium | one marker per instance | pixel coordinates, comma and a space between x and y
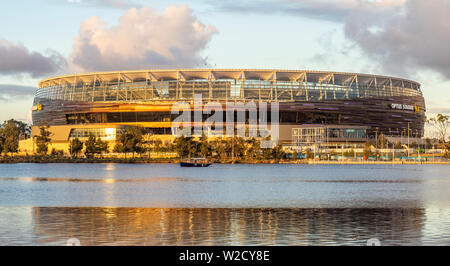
314, 106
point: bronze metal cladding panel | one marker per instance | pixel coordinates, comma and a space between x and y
376, 113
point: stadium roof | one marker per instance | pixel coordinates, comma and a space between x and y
323, 77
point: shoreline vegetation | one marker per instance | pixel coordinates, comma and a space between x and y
52, 159
143, 147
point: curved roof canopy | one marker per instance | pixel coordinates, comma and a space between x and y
323, 77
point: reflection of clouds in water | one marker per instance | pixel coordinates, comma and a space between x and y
16, 225
437, 226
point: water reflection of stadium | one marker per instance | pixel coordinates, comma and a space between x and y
142, 226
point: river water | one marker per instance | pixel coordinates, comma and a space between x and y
163, 204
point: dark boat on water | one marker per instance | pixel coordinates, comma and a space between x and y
195, 162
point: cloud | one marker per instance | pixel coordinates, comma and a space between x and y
15, 99
121, 4
16, 90
142, 39
17, 59
407, 41
401, 36
438, 110
9, 92
320, 9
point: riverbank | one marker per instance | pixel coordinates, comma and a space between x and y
33, 159
375, 162
49, 159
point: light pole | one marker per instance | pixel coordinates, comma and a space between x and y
433, 152
376, 139
315, 145
401, 136
408, 139
393, 152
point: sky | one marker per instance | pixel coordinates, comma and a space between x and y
45, 38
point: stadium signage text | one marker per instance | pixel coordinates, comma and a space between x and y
399, 106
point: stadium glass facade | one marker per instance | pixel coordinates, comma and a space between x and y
343, 106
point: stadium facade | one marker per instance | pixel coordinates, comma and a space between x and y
314, 106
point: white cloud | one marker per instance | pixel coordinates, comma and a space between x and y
142, 39
121, 4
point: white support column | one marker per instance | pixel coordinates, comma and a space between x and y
193, 91
93, 87
210, 90
64, 90
334, 86
146, 88
259, 90
392, 88
292, 90
306, 86
73, 87
118, 87
177, 87
376, 86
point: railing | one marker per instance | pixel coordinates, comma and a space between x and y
225, 90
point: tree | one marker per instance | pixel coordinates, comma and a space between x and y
76, 146
238, 147
91, 148
428, 143
349, 153
253, 148
309, 154
2, 140
185, 146
278, 152
42, 140
10, 134
367, 149
157, 145
24, 130
218, 146
57, 153
205, 147
130, 140
447, 153
101, 146
382, 141
440, 123
95, 146
294, 155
